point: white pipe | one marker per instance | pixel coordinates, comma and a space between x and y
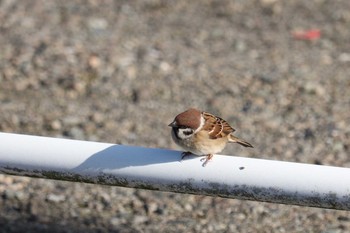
159, 169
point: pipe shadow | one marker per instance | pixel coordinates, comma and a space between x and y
119, 156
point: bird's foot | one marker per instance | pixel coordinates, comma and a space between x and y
184, 154
206, 159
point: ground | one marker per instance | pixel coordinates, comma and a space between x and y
119, 71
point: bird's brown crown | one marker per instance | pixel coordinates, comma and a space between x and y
190, 118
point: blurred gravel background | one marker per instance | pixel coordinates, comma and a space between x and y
119, 71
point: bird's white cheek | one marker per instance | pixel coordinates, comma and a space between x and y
185, 133
184, 143
181, 135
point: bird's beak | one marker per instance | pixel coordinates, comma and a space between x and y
173, 124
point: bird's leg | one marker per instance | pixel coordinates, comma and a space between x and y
184, 154
206, 159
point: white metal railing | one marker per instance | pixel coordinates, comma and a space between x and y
159, 169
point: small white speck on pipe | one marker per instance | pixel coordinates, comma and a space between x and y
160, 169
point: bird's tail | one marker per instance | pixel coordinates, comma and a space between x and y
239, 141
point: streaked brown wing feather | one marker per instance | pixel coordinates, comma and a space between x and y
216, 126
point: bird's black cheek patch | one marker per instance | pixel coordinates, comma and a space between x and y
188, 132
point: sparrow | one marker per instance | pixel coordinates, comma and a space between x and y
203, 134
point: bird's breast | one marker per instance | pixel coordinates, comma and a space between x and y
207, 145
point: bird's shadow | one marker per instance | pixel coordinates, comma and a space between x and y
119, 156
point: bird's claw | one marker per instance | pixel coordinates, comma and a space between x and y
184, 154
206, 159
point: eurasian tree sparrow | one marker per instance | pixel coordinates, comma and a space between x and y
202, 133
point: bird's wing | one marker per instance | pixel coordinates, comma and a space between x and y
216, 126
